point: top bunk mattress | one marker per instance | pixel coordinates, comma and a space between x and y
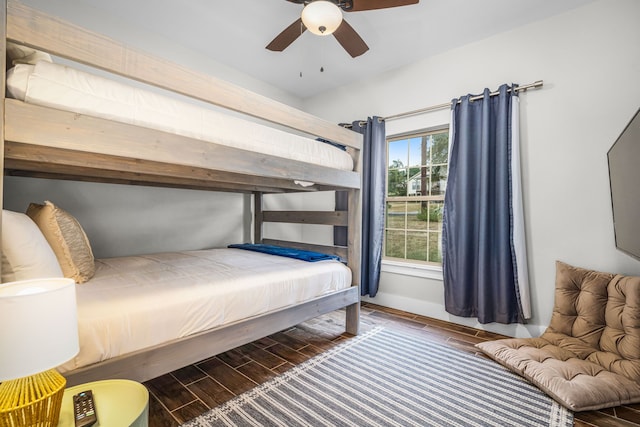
137, 302
65, 88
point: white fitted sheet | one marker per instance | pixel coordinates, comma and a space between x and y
140, 301
58, 86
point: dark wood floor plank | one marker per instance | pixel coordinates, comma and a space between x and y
329, 335
608, 411
188, 374
629, 414
159, 416
288, 339
392, 318
189, 412
603, 420
233, 380
265, 358
311, 350
447, 326
309, 337
465, 339
256, 372
283, 368
393, 311
288, 354
264, 342
238, 356
211, 392
170, 391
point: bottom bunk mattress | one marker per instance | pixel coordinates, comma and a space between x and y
141, 301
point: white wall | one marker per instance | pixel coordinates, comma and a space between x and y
589, 59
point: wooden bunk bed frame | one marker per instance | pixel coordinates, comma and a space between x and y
47, 143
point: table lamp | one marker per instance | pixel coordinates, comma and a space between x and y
38, 332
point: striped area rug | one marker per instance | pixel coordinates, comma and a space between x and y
388, 377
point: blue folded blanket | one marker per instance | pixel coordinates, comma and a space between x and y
286, 252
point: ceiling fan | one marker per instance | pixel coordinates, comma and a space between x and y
324, 17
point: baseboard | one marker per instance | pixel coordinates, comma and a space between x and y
437, 311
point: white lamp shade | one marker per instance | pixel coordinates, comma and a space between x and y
321, 17
38, 326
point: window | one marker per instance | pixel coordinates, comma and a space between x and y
416, 181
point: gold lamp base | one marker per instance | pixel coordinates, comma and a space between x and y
32, 401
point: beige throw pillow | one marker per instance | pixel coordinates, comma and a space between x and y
67, 239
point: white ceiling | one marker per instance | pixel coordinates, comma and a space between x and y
235, 33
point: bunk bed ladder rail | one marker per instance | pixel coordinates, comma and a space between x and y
350, 253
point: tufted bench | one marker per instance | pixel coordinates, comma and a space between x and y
589, 356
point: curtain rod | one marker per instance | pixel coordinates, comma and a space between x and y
443, 106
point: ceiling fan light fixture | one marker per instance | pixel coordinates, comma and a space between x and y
321, 17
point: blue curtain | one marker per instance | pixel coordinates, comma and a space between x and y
484, 256
374, 155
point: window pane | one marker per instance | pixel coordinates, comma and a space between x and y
398, 154
394, 244
435, 247
395, 215
438, 180
418, 180
417, 152
435, 210
413, 183
416, 220
440, 150
417, 245
397, 182
428, 149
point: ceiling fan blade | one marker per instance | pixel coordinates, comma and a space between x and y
359, 5
287, 36
350, 40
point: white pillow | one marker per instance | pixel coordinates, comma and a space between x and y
19, 54
18, 81
26, 254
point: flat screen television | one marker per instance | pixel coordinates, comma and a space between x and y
624, 178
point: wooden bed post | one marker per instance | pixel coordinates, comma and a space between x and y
257, 217
353, 259
354, 240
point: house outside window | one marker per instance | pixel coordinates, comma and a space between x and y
417, 173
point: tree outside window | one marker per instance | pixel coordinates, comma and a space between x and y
416, 182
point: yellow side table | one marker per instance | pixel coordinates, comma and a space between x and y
119, 403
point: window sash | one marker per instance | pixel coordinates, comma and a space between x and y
415, 233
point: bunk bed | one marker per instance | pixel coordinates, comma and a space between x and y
44, 141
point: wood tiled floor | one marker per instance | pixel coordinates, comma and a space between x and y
188, 392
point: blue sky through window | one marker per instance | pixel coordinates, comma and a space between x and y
408, 151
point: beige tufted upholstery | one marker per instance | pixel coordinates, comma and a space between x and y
589, 356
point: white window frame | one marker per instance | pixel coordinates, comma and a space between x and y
409, 267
